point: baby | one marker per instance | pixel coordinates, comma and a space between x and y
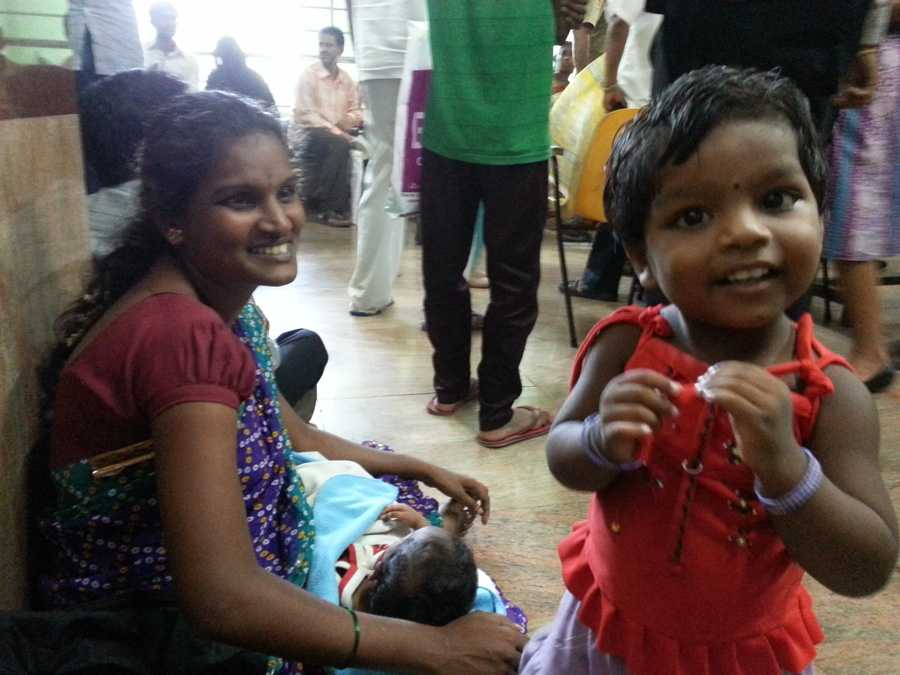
416, 572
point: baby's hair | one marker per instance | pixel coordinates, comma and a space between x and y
674, 124
432, 582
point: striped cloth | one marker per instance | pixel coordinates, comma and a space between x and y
863, 218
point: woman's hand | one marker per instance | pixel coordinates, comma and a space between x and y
404, 514
762, 417
632, 407
487, 644
469, 492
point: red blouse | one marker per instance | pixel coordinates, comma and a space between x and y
680, 576
162, 351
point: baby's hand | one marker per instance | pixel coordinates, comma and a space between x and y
761, 411
457, 518
632, 406
404, 514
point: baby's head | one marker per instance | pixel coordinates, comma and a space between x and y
429, 578
721, 174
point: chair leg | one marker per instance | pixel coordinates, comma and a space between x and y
826, 290
562, 254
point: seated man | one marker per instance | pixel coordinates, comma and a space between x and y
326, 114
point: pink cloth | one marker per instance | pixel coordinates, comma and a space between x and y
324, 100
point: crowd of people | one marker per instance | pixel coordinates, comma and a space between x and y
727, 450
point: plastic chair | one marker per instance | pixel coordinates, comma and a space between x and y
585, 200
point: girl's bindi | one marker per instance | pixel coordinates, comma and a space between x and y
736, 186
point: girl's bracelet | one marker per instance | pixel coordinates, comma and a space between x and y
594, 453
799, 494
352, 658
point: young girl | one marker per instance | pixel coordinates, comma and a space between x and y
728, 450
166, 355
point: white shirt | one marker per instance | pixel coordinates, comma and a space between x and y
380, 33
114, 34
177, 63
635, 74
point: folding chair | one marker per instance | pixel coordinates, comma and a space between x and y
585, 198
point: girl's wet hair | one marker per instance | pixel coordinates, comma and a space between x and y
674, 124
182, 144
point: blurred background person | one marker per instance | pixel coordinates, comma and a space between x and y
103, 35
379, 41
327, 115
163, 53
863, 223
232, 74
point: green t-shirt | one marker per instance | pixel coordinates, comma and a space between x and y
489, 101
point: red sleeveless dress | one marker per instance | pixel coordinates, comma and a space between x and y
687, 576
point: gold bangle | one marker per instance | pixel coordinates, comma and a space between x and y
867, 50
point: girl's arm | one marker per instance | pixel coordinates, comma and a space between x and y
227, 596
845, 535
631, 406
305, 437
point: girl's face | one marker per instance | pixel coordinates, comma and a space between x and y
733, 237
241, 227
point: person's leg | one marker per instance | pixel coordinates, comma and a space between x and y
335, 171
514, 199
379, 241
303, 359
603, 270
324, 170
449, 201
859, 283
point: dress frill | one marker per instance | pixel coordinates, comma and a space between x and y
790, 647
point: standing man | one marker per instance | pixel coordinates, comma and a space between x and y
487, 140
103, 35
379, 41
163, 54
326, 115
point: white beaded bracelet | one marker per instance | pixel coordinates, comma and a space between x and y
801, 493
595, 454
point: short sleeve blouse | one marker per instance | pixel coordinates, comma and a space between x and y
162, 351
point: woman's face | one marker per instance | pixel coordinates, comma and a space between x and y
242, 225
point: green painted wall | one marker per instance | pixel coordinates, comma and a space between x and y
40, 21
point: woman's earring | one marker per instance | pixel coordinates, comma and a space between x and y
174, 235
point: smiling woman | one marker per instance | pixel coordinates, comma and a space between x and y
166, 358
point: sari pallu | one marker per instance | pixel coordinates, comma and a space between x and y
106, 528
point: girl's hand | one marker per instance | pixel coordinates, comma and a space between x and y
761, 412
632, 406
472, 494
482, 643
404, 514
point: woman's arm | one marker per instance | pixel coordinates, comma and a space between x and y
845, 535
307, 438
630, 407
226, 595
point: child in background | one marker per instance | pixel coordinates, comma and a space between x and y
729, 451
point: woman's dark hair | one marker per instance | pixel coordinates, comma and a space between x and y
431, 582
674, 124
334, 32
114, 113
183, 142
